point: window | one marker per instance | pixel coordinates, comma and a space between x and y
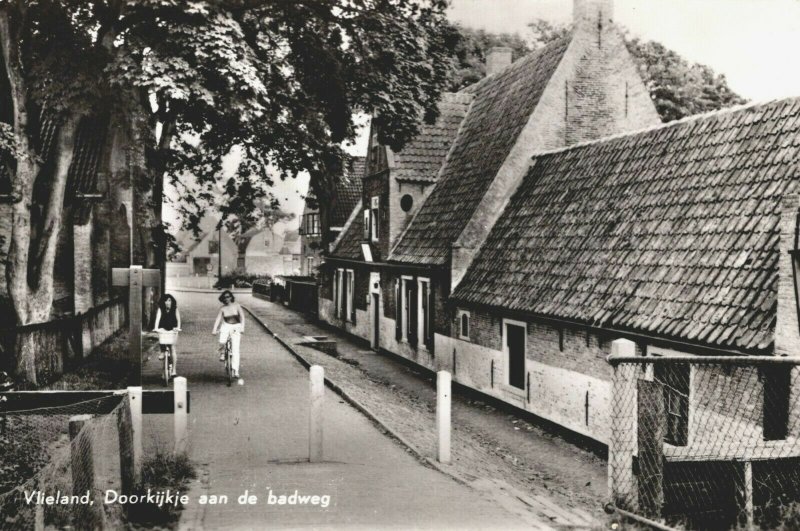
366, 224
375, 209
463, 325
424, 324
777, 385
406, 202
337, 292
675, 379
350, 289
409, 315
311, 225
213, 246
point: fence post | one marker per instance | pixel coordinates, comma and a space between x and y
135, 398
180, 415
317, 374
622, 443
125, 432
443, 400
88, 515
652, 422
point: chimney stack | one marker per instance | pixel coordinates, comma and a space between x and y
592, 15
497, 59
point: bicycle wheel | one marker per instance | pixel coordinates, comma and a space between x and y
167, 359
228, 367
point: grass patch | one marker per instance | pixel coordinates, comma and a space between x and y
160, 472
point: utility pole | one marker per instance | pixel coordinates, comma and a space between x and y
219, 251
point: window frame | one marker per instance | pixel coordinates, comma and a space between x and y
374, 210
350, 303
367, 224
461, 315
404, 313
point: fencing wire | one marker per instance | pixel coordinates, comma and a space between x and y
707, 445
41, 455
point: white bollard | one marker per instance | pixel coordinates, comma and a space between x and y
180, 415
443, 380
135, 395
315, 418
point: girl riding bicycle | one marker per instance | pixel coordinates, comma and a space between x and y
230, 324
168, 318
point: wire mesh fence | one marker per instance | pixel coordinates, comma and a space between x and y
707, 443
58, 463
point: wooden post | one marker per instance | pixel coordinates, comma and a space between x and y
135, 399
125, 432
747, 492
135, 315
652, 428
136, 279
180, 415
622, 443
315, 421
443, 401
87, 515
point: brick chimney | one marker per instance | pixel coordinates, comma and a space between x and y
497, 59
592, 17
787, 336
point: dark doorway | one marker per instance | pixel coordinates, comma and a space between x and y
515, 341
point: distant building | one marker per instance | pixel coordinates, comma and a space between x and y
291, 252
348, 194
201, 256
262, 253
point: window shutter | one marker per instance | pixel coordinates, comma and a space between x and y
351, 297
412, 312
335, 292
398, 311
430, 317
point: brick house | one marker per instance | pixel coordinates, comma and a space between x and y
426, 210
676, 238
348, 194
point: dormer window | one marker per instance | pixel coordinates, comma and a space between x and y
375, 210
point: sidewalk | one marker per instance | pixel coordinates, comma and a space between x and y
527, 469
254, 437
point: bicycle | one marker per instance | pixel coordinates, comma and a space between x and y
228, 366
168, 338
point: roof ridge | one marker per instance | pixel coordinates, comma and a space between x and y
665, 125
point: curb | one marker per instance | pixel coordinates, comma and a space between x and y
425, 460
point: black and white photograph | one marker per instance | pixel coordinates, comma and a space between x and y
399, 264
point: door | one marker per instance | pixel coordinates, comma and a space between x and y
515, 343
376, 321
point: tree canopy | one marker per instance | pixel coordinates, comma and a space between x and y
183, 83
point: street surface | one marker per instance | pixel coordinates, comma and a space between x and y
255, 438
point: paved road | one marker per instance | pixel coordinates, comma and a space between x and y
255, 437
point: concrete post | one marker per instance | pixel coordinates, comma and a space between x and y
315, 419
180, 415
135, 398
623, 442
443, 383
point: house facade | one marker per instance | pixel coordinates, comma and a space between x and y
426, 210
348, 194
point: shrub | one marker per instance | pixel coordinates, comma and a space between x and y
238, 279
160, 472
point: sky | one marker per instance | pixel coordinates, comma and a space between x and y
753, 42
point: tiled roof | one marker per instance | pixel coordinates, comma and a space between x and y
348, 245
501, 108
421, 159
672, 232
348, 192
